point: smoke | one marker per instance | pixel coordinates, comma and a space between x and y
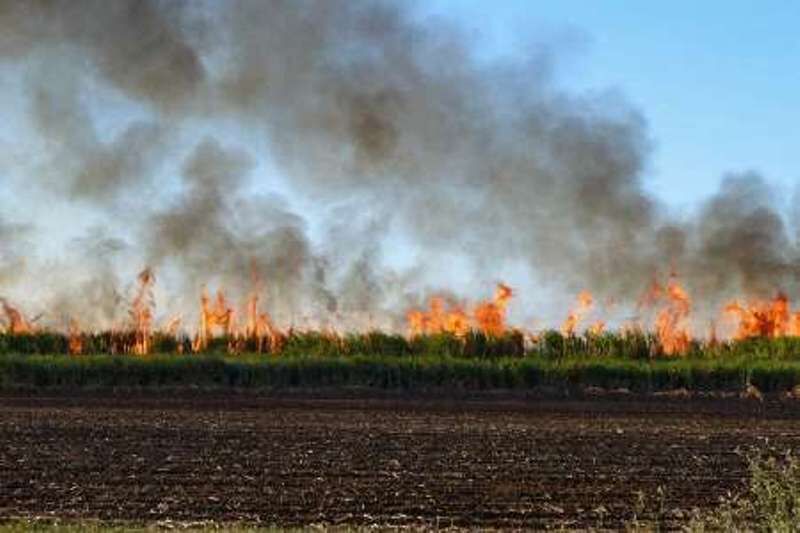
743, 241
87, 286
388, 126
468, 158
12, 246
213, 231
84, 166
137, 46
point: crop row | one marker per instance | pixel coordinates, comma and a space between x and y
411, 373
474, 345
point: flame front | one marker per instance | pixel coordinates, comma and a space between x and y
668, 309
771, 318
489, 317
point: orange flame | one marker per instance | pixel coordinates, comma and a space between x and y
438, 319
585, 303
488, 317
771, 318
142, 312
75, 342
491, 316
17, 323
597, 328
216, 315
173, 325
671, 322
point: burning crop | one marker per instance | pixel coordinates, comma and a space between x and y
306, 163
663, 327
765, 318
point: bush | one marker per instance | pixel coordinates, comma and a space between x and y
771, 501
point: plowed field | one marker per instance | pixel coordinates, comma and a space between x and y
381, 461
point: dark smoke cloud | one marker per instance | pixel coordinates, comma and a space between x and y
361, 105
488, 161
743, 241
137, 45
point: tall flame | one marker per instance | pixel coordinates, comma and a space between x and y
17, 323
213, 315
584, 305
671, 324
491, 316
142, 311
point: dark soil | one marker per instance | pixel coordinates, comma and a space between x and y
293, 461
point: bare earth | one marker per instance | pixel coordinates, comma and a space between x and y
292, 461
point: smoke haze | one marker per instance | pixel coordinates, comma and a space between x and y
383, 129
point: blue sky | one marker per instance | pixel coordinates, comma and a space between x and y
718, 81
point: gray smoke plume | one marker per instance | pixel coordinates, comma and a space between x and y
85, 167
87, 286
12, 246
743, 241
488, 161
374, 116
135, 45
214, 232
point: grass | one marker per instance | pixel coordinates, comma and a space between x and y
380, 360
769, 502
411, 373
633, 345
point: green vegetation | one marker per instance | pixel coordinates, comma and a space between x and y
254, 371
634, 345
379, 360
769, 502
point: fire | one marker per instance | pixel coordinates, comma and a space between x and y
438, 319
584, 305
173, 325
254, 330
671, 323
216, 315
17, 323
259, 326
489, 317
771, 318
597, 328
258, 329
142, 312
75, 342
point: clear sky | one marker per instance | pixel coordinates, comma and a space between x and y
718, 81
